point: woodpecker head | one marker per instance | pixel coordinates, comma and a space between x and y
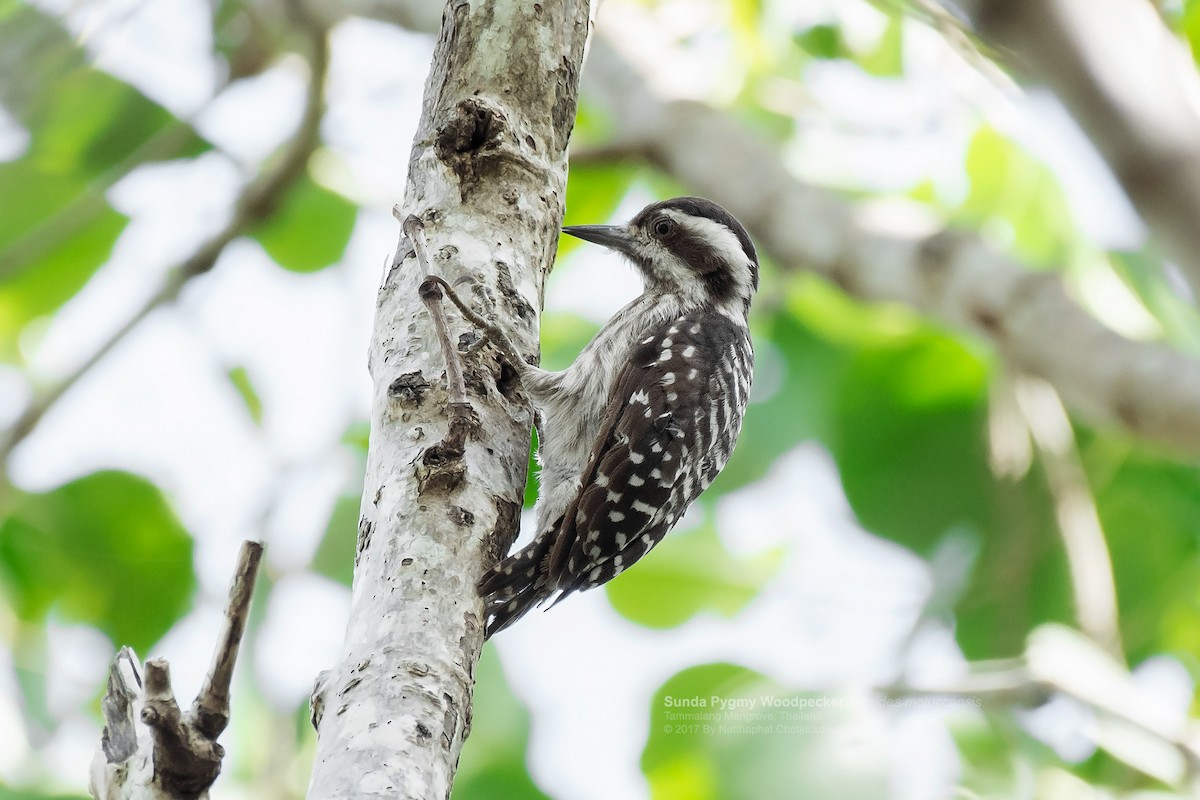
688, 247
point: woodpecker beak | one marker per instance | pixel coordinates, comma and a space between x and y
614, 237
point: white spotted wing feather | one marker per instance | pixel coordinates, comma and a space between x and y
672, 419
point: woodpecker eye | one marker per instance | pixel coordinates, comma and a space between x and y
663, 227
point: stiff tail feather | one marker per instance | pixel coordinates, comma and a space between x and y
515, 585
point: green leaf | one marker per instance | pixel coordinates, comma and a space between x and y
563, 337
43, 50
532, 472
241, 381
594, 190
821, 41
310, 229
1017, 194
335, 554
106, 550
911, 441
83, 121
87, 129
689, 572
92, 122
358, 437
747, 24
887, 59
989, 746
1150, 511
1190, 25
39, 271
674, 754
593, 126
492, 766
911, 447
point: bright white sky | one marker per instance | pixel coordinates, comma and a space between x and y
161, 406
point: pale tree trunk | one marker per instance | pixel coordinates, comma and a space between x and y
441, 500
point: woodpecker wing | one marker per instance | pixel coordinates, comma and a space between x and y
672, 419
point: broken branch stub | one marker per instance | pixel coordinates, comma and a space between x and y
149, 747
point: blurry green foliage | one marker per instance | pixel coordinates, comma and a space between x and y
1150, 510
910, 439
335, 555
988, 744
105, 549
87, 129
886, 59
7, 793
821, 41
240, 379
1188, 22
691, 571
493, 758
593, 192
1018, 199
58, 267
310, 228
676, 760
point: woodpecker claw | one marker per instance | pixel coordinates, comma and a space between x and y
490, 332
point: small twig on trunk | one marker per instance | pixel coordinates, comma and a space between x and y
186, 762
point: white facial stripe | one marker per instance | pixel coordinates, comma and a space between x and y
717, 235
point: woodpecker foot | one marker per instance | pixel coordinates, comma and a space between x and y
491, 332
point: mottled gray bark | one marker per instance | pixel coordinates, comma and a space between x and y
442, 496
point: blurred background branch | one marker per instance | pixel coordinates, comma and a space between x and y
1093, 590
1130, 84
1050, 671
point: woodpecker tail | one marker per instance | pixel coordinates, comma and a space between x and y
501, 616
515, 585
